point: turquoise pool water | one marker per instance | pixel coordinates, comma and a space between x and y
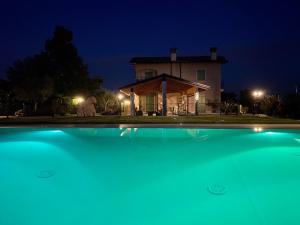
108, 176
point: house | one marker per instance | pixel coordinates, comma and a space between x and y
175, 85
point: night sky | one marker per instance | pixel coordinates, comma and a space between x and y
259, 38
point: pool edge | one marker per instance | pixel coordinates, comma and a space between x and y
181, 125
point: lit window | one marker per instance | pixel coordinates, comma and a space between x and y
200, 75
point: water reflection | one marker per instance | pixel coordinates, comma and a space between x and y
125, 132
258, 129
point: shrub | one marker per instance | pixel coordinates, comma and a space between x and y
290, 106
269, 105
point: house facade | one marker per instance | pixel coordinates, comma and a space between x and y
175, 85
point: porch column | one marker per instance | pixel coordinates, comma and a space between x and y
132, 106
164, 96
197, 96
187, 104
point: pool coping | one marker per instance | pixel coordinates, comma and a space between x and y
180, 125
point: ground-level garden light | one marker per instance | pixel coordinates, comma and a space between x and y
77, 100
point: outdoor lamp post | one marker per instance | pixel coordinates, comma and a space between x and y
257, 95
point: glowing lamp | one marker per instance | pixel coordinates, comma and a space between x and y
78, 100
257, 93
120, 96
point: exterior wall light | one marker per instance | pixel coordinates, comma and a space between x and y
120, 96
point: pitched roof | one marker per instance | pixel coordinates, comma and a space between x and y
143, 86
180, 59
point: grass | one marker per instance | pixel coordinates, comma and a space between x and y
203, 119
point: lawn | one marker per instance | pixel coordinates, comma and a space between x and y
203, 119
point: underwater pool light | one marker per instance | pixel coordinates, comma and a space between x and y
45, 173
48, 133
55, 131
217, 189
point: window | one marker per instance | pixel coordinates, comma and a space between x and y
145, 74
150, 73
201, 75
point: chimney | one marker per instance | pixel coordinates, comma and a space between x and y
213, 54
173, 54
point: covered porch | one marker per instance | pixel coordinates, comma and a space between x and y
164, 95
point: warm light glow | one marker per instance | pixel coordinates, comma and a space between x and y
78, 100
126, 102
258, 129
257, 93
197, 96
120, 96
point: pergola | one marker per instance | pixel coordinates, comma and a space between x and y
163, 83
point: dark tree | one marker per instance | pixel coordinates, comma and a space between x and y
57, 72
229, 97
269, 105
246, 98
31, 79
290, 106
69, 73
8, 103
229, 102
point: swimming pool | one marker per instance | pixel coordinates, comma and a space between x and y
148, 176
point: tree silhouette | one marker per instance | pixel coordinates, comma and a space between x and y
57, 71
31, 80
246, 98
68, 71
